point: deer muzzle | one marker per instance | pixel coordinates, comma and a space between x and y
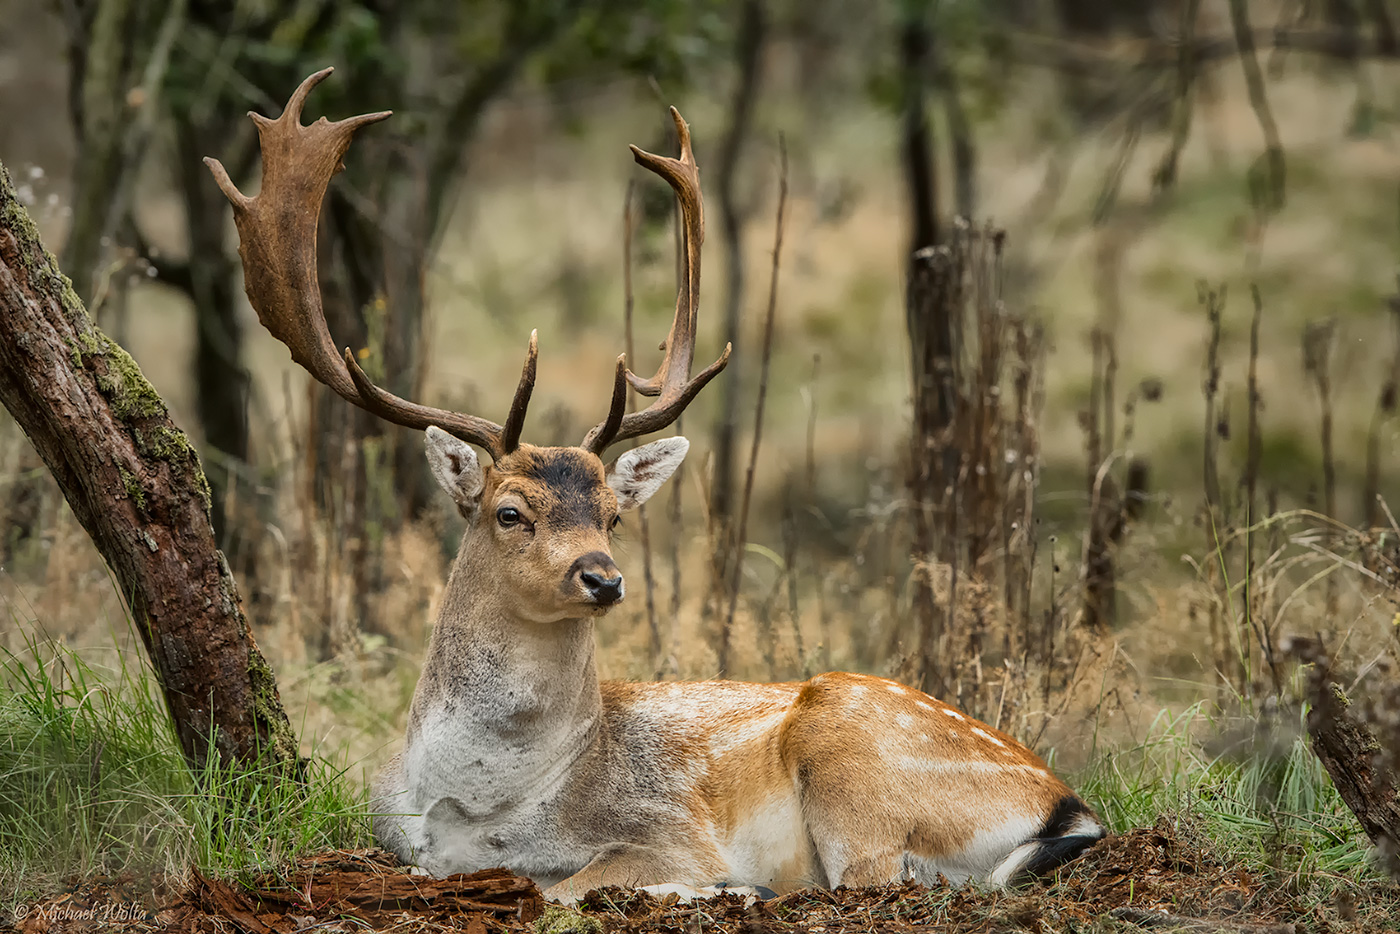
598, 577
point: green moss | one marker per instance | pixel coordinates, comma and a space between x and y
134, 491
16, 219
121, 380
125, 386
133, 398
267, 708
167, 444
559, 920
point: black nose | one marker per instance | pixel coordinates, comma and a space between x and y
605, 590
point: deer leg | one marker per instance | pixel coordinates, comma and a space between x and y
630, 865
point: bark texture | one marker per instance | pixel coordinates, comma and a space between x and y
1352, 756
1362, 765
134, 482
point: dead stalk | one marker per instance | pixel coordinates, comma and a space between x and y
741, 539
1317, 362
629, 224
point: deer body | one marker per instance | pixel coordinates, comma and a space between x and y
517, 755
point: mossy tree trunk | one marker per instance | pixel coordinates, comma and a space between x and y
134, 482
1359, 748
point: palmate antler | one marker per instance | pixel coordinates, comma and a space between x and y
672, 384
277, 243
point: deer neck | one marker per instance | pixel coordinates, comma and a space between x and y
498, 677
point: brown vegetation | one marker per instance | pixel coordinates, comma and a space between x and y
1162, 877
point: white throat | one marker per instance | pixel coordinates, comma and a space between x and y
503, 709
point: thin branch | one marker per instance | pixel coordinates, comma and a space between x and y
742, 537
1268, 192
733, 218
629, 222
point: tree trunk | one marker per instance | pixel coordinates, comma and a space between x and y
928, 320
1349, 751
732, 220
117, 56
1365, 769
921, 176
101, 70
134, 482
222, 383
933, 288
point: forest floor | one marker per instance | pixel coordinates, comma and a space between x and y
1165, 878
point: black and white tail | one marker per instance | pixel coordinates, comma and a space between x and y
1070, 829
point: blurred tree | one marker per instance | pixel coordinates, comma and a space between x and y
748, 49
440, 65
929, 303
119, 50
118, 54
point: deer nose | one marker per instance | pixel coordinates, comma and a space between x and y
605, 590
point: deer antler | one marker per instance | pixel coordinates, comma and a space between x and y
672, 384
277, 243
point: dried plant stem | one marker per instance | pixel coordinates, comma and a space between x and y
1229, 657
741, 539
1047, 650
812, 428
1252, 619
790, 569
1385, 409
1317, 358
1097, 572
677, 516
629, 224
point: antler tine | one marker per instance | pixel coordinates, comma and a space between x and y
277, 243
672, 384
602, 435
515, 421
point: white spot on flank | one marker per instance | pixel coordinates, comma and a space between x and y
895, 688
949, 712
988, 737
904, 721
913, 764
734, 735
923, 706
857, 689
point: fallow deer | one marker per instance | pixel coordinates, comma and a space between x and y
517, 755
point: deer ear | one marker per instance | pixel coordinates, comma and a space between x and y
639, 473
456, 468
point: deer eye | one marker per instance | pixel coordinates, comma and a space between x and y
508, 516
616, 521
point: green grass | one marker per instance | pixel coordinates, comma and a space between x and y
92, 782
1265, 802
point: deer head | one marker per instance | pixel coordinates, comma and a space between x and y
539, 518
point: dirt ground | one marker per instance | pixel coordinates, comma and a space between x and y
1158, 879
